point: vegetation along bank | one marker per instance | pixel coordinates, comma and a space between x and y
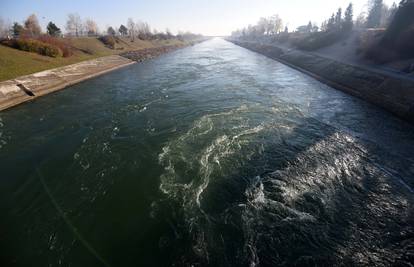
371, 57
34, 63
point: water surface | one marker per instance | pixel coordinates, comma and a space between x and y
208, 156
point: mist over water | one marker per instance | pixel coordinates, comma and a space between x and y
209, 156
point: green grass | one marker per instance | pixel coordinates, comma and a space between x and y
15, 63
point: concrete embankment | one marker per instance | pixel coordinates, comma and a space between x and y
387, 91
29, 87
148, 53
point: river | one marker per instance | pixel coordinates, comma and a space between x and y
211, 155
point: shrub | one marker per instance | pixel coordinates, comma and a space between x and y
381, 52
32, 45
51, 51
318, 40
404, 44
108, 40
66, 49
10, 43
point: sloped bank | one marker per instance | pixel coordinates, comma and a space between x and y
148, 53
29, 87
391, 93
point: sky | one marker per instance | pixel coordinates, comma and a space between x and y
208, 17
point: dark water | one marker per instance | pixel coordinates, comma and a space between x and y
211, 155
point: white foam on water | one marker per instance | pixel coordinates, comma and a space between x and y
207, 148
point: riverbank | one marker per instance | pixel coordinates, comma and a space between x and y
213, 155
29, 87
148, 53
15, 63
390, 92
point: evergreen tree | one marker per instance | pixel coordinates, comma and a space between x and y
393, 9
111, 31
403, 20
375, 13
331, 23
338, 19
324, 26
348, 21
52, 29
123, 30
17, 29
309, 27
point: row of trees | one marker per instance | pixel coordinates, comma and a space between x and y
378, 15
397, 42
269, 26
76, 26
339, 22
31, 27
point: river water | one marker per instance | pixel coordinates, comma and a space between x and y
208, 156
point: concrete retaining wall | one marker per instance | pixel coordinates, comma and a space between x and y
25, 88
391, 93
29, 87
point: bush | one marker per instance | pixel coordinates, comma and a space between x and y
318, 40
32, 45
66, 49
109, 41
380, 52
404, 45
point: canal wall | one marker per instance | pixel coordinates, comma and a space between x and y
390, 92
29, 87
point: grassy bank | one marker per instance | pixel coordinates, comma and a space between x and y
15, 63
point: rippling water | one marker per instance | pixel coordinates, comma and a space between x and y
209, 156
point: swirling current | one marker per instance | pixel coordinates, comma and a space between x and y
208, 156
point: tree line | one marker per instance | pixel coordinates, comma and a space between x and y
378, 15
383, 33
76, 27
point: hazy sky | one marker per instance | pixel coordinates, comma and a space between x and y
209, 17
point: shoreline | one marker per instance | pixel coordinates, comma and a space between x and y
396, 95
29, 87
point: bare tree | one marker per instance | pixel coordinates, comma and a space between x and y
91, 27
2, 24
131, 29
74, 24
269, 26
5, 28
143, 30
263, 26
147, 30
361, 21
276, 24
31, 26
